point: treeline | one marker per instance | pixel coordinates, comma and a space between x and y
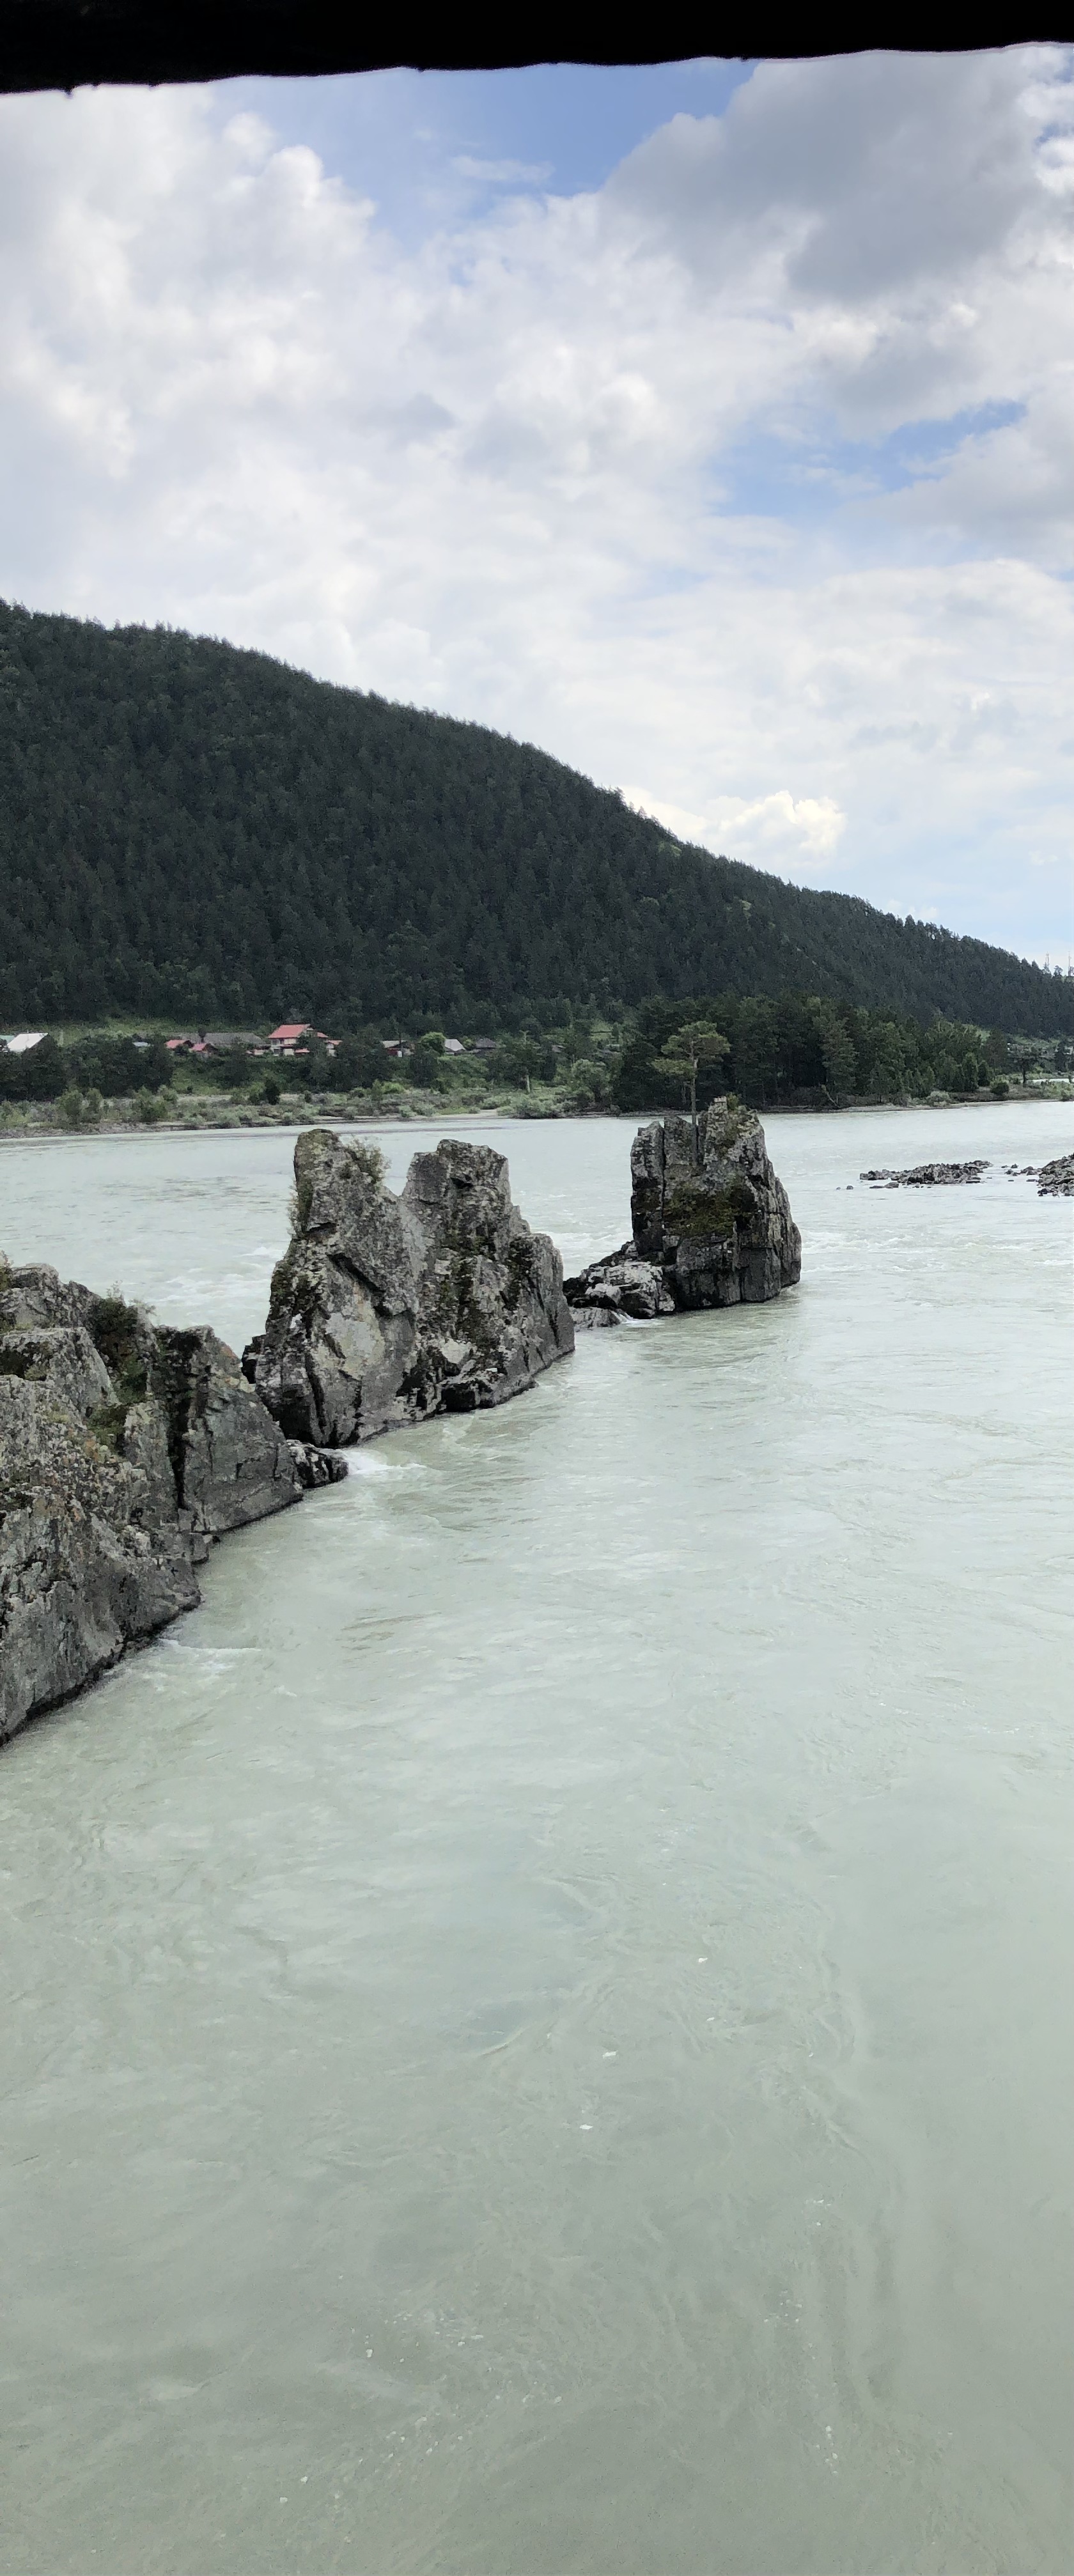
115, 1067
800, 1047
194, 832
795, 1051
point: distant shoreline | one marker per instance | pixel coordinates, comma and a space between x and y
426, 1114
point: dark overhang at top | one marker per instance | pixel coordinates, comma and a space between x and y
64, 44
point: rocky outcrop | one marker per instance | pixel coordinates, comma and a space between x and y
1056, 1180
88, 1562
125, 1450
711, 1229
386, 1310
230, 1460
927, 1176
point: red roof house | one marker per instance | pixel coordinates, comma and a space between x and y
293, 1037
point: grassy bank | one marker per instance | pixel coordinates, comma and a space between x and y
193, 1112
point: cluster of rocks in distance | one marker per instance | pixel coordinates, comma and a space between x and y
386, 1310
126, 1448
712, 1224
1054, 1180
927, 1176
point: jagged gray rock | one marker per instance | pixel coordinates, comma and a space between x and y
619, 1285
84, 1568
927, 1176
316, 1467
385, 1309
63, 1358
124, 1451
93, 1554
230, 1460
712, 1231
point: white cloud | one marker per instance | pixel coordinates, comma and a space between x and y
774, 831
604, 470
675, 818
925, 148
810, 826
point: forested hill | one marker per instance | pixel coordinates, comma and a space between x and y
190, 830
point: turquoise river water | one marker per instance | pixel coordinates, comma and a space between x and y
536, 2022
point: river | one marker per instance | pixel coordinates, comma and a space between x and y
537, 2021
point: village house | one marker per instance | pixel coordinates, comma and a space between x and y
214, 1042
293, 1038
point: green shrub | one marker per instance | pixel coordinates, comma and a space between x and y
118, 1333
370, 1161
694, 1213
107, 1421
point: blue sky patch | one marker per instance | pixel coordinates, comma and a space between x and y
810, 477
427, 145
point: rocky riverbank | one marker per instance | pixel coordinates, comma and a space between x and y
127, 1448
712, 1224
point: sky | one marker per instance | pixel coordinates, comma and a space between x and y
709, 426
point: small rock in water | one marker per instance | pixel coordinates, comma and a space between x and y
712, 1226
1056, 1180
317, 1467
619, 1285
925, 1176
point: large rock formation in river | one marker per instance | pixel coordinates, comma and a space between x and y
387, 1309
125, 1450
712, 1226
